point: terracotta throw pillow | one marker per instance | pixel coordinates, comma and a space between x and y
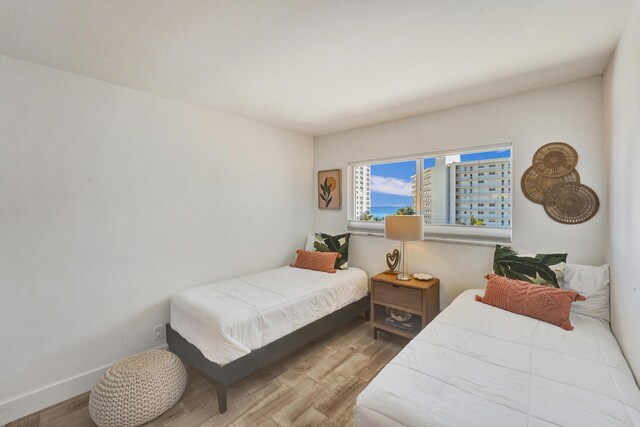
314, 260
544, 303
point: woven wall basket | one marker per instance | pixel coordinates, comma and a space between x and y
571, 203
534, 186
555, 159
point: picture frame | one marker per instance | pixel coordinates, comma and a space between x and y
330, 189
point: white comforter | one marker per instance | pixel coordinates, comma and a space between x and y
477, 365
228, 319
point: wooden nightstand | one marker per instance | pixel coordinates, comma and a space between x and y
417, 297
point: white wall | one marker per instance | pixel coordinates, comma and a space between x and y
570, 112
112, 200
622, 106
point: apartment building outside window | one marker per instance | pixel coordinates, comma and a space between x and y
469, 189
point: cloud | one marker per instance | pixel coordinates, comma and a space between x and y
396, 186
455, 158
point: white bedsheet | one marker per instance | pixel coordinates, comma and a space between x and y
228, 319
477, 365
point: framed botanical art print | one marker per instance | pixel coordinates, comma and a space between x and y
329, 189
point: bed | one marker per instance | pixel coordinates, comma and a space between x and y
231, 328
477, 365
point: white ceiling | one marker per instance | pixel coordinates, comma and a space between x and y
319, 66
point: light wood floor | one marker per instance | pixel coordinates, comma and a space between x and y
316, 386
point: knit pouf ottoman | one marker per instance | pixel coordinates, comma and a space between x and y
137, 389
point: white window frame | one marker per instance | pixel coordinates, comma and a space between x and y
452, 233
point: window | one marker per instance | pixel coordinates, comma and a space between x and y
390, 189
447, 188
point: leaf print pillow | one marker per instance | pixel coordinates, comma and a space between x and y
541, 269
327, 243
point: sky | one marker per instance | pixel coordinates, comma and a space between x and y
391, 182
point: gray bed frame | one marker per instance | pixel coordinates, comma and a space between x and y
224, 376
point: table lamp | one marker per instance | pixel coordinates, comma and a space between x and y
404, 228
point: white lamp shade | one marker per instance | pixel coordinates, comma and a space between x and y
404, 227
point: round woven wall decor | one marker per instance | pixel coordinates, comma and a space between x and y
555, 159
571, 203
534, 185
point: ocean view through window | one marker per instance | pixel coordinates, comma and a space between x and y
467, 189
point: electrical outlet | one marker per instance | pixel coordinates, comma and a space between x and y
159, 332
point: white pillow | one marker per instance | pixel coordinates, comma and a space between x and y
310, 239
591, 282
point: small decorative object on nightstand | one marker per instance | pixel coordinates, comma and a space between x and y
390, 297
393, 258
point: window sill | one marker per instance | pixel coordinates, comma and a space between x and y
482, 236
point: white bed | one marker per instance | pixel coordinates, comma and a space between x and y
477, 365
227, 320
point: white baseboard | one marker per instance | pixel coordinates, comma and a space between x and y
21, 406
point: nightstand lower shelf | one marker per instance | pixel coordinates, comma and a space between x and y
377, 325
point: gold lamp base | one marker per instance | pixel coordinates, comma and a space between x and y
403, 275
